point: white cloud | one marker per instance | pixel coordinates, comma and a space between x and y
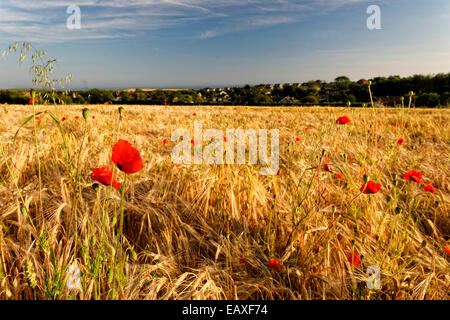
44, 20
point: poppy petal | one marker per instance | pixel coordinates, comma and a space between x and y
126, 157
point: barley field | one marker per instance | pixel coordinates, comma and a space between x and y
225, 231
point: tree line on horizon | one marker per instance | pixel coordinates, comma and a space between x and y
425, 90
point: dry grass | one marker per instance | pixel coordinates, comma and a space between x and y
189, 226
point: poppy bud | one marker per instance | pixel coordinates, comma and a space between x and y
121, 110
388, 198
95, 186
23, 210
85, 113
133, 255
365, 178
93, 241
370, 83
113, 222
411, 93
109, 275
436, 204
424, 244
397, 210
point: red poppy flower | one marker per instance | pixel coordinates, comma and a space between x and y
31, 100
327, 167
273, 263
370, 187
413, 175
225, 139
194, 114
279, 121
343, 120
242, 261
430, 188
77, 117
63, 119
217, 115
104, 176
194, 142
339, 175
297, 139
354, 259
336, 149
447, 248
37, 118
165, 141
93, 117
176, 165
307, 128
106, 103
126, 158
400, 141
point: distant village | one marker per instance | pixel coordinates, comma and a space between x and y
427, 91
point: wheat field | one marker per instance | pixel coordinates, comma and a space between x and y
208, 231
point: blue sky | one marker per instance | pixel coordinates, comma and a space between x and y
212, 43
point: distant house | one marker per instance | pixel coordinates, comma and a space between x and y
278, 86
287, 100
389, 100
117, 99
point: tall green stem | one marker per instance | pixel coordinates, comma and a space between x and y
119, 239
36, 145
78, 188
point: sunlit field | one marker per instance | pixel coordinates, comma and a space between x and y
225, 231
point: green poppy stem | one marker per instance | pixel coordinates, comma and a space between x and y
122, 198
